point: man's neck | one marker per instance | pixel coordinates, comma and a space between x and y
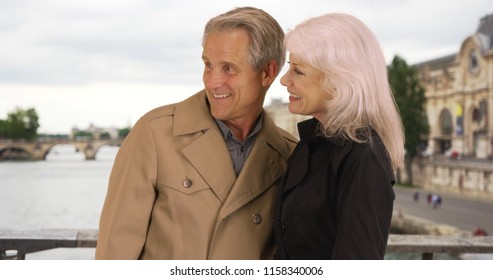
241, 130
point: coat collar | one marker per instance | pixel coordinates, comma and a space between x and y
193, 115
312, 127
310, 130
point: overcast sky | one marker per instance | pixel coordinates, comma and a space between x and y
107, 62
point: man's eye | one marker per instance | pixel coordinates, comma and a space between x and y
228, 69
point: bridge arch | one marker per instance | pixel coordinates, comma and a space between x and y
14, 153
40, 150
53, 149
91, 149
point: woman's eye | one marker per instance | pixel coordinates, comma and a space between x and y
298, 72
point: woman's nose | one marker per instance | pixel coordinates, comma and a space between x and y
284, 80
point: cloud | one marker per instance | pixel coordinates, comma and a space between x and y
50, 42
94, 42
56, 51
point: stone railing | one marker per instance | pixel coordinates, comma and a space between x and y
15, 244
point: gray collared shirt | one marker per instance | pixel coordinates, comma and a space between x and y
238, 150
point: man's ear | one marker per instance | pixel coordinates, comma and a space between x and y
269, 73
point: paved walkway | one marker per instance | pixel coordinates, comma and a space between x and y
485, 197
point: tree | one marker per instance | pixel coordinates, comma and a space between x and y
122, 133
105, 136
411, 101
21, 124
3, 129
83, 135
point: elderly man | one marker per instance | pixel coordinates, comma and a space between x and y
198, 179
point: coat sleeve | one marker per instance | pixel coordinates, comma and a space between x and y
365, 205
131, 193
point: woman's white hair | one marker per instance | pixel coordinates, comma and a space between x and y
356, 77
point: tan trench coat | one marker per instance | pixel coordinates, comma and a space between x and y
173, 193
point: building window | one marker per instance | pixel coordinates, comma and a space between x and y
475, 115
473, 62
483, 114
446, 122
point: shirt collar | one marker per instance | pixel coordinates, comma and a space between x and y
226, 131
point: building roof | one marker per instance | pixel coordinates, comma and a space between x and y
437, 63
486, 25
484, 35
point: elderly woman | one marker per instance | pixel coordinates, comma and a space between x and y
337, 199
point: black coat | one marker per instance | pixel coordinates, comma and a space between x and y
336, 200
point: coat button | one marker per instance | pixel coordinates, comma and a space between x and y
187, 183
256, 219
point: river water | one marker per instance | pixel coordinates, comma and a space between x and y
63, 192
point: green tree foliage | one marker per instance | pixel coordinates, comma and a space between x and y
105, 136
20, 124
411, 101
122, 133
3, 129
83, 135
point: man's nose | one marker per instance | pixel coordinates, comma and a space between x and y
213, 80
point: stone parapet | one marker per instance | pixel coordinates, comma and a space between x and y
408, 224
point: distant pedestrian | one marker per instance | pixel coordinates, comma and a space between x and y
436, 200
429, 198
416, 196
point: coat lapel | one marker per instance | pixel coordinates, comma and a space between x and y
265, 165
294, 176
300, 155
208, 153
212, 162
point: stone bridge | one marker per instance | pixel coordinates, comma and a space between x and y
38, 150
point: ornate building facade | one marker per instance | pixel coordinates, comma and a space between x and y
459, 92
